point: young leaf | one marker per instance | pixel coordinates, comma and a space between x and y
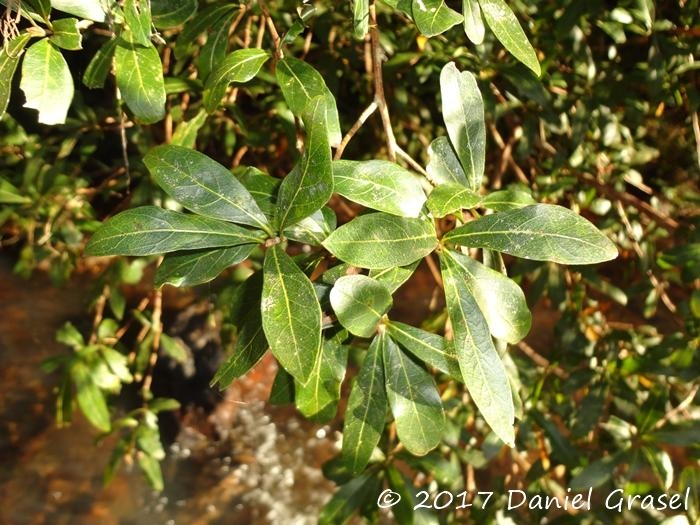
239, 66
318, 397
433, 349
414, 401
433, 17
379, 184
310, 184
463, 111
171, 13
194, 267
507, 200
137, 14
65, 34
150, 230
100, 65
504, 24
366, 411
379, 240
10, 54
46, 82
140, 80
451, 198
499, 298
542, 232
359, 302
203, 185
482, 368
291, 314
90, 398
300, 83
360, 17
185, 134
443, 165
473, 23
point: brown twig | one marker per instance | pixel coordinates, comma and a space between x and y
156, 330
354, 129
434, 271
542, 361
679, 408
379, 96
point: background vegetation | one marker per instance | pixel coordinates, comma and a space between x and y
610, 130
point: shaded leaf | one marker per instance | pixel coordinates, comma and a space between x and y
90, 398
318, 397
443, 165
137, 14
450, 198
205, 19
100, 65
171, 13
10, 54
433, 349
150, 467
291, 314
360, 18
203, 185
239, 66
151, 230
379, 184
314, 228
359, 302
199, 266
379, 240
507, 200
414, 401
543, 232
139, 75
185, 134
348, 499
433, 17
395, 276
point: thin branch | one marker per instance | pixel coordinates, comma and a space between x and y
687, 401
410, 160
379, 96
542, 361
354, 129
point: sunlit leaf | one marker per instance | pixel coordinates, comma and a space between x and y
194, 267
433, 349
450, 198
360, 17
433, 17
239, 66
185, 134
394, 276
443, 165
10, 55
88, 9
137, 14
66, 34
140, 80
318, 397
473, 23
507, 200
90, 398
314, 228
359, 302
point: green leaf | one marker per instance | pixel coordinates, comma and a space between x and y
206, 18
310, 184
88, 9
349, 499
499, 298
414, 401
203, 185
100, 65
318, 397
463, 111
262, 187
314, 228
473, 23
199, 266
395, 276
140, 80
359, 302
482, 369
291, 314
47, 82
596, 473
433, 17
213, 52
11, 195
137, 14
433, 349
379, 240
239, 66
300, 83
10, 54
504, 24
150, 467
90, 398
507, 200
41, 7
366, 411
443, 165
542, 232
151, 230
173, 349
379, 184
450, 198
360, 17
185, 134
171, 13
65, 34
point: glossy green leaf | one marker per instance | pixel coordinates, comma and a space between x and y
310, 184
10, 55
473, 23
507, 200
88, 9
379, 240
90, 398
41, 7
482, 369
360, 18
504, 24
199, 266
100, 65
379, 184
314, 228
450, 198
291, 314
433, 17
239, 66
300, 83
359, 302
140, 80
443, 165
262, 187
394, 276
151, 230
137, 14
349, 498
65, 34
542, 232
171, 13
499, 298
185, 134
47, 82
194, 27
203, 185
434, 350
318, 397
463, 111
414, 401
213, 52
366, 412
